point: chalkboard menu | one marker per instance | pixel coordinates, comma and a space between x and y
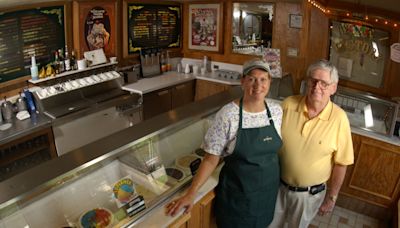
38, 32
153, 26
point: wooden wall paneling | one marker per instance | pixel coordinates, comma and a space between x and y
124, 29
284, 37
394, 85
318, 39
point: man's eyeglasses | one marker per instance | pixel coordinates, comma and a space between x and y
323, 84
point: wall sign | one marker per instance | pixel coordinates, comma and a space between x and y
96, 27
30, 32
295, 20
153, 26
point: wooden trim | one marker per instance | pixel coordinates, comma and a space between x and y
207, 198
181, 221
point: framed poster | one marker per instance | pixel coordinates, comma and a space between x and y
205, 26
295, 20
95, 27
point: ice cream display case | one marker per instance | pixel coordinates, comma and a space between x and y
116, 181
368, 112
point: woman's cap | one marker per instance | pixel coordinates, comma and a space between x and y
255, 64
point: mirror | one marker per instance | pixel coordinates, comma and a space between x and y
359, 51
252, 27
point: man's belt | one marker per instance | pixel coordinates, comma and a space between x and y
312, 189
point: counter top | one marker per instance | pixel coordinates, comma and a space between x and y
20, 128
394, 140
157, 218
147, 85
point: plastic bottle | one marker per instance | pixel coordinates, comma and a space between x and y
34, 69
205, 63
29, 100
168, 62
61, 61
67, 61
163, 63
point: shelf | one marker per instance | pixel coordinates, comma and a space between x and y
21, 154
70, 73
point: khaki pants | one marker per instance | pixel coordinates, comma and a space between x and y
297, 209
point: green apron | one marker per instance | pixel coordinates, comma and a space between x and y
249, 181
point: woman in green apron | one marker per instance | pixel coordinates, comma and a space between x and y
246, 133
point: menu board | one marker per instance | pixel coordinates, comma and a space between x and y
153, 26
38, 32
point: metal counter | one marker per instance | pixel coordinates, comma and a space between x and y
25, 127
54, 173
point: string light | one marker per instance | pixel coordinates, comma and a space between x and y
356, 16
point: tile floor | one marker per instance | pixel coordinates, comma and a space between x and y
343, 218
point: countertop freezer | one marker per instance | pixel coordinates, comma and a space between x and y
122, 180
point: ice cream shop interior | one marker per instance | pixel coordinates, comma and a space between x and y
105, 104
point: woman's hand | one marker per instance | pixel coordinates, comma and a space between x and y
185, 202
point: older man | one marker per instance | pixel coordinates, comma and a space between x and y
317, 147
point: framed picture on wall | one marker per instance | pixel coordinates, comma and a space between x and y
205, 27
295, 20
95, 26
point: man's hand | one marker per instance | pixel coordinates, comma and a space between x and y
327, 206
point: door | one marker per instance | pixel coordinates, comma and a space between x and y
182, 94
156, 102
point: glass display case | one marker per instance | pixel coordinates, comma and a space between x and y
117, 180
367, 112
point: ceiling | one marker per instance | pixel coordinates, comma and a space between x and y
383, 8
390, 6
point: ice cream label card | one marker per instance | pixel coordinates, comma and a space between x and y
124, 191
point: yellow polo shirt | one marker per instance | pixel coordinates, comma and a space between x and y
312, 146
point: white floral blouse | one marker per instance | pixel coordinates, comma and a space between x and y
220, 138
